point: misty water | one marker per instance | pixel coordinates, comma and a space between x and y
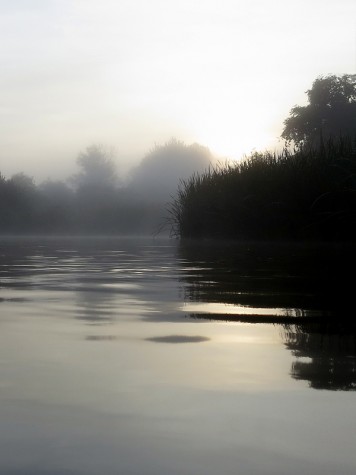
141, 356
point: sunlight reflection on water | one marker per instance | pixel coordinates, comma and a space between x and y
220, 308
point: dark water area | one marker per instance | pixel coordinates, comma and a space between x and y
152, 356
303, 279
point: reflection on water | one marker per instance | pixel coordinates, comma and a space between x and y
325, 357
296, 279
235, 310
178, 339
101, 337
310, 283
84, 389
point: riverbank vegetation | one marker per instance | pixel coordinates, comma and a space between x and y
307, 191
304, 193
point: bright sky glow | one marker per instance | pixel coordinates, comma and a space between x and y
130, 73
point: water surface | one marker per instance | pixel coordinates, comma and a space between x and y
122, 356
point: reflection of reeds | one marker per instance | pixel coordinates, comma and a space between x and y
309, 276
295, 194
325, 353
300, 318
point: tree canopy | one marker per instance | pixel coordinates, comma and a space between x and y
98, 168
160, 170
331, 112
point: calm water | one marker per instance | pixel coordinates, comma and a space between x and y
123, 356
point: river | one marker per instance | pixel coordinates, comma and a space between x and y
146, 356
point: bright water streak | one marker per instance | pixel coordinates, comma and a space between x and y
103, 371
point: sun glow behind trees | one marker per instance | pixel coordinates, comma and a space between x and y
132, 73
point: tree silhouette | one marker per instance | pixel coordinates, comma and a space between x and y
331, 112
159, 172
19, 203
98, 168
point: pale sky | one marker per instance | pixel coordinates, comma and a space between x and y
132, 73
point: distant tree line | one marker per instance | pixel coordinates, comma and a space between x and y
306, 191
95, 200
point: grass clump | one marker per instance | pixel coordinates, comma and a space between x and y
299, 194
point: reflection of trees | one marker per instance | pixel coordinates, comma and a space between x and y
308, 277
107, 279
309, 280
95, 306
331, 351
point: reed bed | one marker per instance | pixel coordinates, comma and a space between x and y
294, 194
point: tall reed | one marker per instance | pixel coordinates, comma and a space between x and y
298, 194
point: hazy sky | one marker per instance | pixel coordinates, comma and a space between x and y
129, 73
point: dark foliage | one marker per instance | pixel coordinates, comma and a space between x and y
331, 111
305, 194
